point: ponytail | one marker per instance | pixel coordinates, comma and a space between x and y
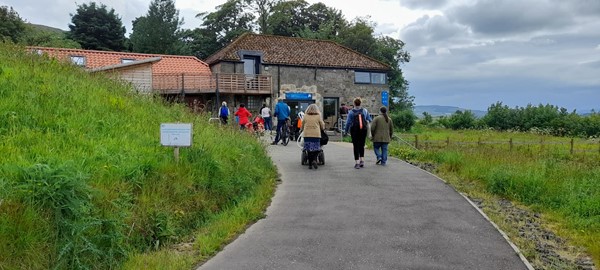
383, 111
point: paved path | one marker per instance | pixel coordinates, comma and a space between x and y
338, 217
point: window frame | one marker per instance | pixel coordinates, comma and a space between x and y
368, 77
74, 59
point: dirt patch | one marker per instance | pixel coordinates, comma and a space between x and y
542, 247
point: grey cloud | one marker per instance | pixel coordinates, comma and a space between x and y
502, 17
428, 31
423, 4
386, 29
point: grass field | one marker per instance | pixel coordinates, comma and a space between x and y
547, 178
85, 183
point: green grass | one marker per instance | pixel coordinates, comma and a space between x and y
85, 183
564, 187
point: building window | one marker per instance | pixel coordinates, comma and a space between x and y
251, 65
362, 77
369, 77
127, 60
378, 78
78, 60
254, 103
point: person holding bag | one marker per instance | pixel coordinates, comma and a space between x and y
312, 126
382, 129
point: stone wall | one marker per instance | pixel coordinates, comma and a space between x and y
321, 82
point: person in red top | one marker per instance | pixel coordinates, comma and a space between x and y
244, 115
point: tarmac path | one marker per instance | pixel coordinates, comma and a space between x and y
338, 217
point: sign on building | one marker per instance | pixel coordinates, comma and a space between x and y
385, 98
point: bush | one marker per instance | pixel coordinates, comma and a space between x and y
404, 120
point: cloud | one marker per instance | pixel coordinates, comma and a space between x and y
423, 4
504, 17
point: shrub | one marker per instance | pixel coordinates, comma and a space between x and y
404, 120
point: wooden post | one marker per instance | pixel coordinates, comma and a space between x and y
176, 153
417, 141
510, 142
572, 145
447, 141
479, 141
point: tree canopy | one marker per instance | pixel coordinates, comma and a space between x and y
12, 27
159, 30
97, 28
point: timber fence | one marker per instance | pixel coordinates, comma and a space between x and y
567, 145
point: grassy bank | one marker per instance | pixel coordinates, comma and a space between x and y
84, 182
564, 187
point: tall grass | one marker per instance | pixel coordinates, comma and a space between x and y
84, 181
555, 183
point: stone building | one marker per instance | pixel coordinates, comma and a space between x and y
302, 71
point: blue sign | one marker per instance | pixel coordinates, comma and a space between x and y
385, 98
298, 96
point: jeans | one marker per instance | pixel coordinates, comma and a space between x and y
381, 151
268, 123
280, 124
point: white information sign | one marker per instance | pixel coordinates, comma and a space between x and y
176, 134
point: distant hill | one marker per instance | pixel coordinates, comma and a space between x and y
46, 28
439, 110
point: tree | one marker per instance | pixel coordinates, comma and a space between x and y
323, 22
263, 9
221, 27
159, 30
288, 18
11, 25
97, 28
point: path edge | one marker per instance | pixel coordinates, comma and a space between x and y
504, 235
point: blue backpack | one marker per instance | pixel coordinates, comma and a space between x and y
224, 111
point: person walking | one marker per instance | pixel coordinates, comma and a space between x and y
265, 112
282, 112
357, 124
382, 129
243, 115
224, 113
312, 124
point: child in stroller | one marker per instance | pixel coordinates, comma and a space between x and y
257, 126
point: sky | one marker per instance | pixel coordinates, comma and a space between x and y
464, 53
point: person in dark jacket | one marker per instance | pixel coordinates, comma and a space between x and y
359, 135
382, 129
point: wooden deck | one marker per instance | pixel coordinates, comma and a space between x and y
198, 83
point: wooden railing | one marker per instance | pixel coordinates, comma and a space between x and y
204, 83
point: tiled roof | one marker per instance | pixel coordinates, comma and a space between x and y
98, 59
297, 52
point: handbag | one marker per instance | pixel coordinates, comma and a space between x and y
324, 137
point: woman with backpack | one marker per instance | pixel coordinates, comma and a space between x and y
224, 113
382, 129
357, 124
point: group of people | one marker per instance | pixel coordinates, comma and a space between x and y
243, 116
359, 123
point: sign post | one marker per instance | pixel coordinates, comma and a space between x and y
176, 135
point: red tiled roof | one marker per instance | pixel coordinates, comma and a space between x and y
297, 52
97, 59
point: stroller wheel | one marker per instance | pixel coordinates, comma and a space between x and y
304, 158
321, 158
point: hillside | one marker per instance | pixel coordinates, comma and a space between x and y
438, 110
40, 27
85, 183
